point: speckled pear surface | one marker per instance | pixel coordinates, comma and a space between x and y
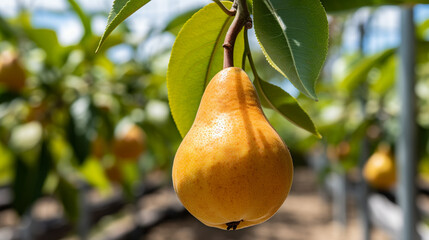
232, 170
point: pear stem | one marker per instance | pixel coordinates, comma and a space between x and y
241, 19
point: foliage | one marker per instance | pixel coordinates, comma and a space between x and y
71, 98
359, 101
193, 63
294, 38
280, 32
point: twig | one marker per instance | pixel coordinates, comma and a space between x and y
231, 12
242, 18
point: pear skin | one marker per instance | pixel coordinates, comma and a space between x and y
232, 170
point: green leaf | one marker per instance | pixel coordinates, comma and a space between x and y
422, 52
120, 11
177, 22
85, 20
78, 129
94, 174
293, 35
6, 30
68, 195
359, 73
387, 76
285, 104
131, 175
422, 29
250, 5
29, 179
197, 56
8, 96
6, 166
47, 40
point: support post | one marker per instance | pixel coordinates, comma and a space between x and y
407, 140
363, 188
340, 198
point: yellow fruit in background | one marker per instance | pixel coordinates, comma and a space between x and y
12, 74
380, 170
232, 170
129, 143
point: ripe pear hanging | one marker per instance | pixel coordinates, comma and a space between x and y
380, 169
232, 170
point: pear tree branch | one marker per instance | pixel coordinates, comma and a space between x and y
241, 19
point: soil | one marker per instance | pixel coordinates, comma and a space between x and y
305, 215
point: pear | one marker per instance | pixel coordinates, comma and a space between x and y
232, 170
380, 169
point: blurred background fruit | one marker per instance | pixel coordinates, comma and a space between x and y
380, 169
12, 73
129, 142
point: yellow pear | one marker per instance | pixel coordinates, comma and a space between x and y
232, 170
380, 170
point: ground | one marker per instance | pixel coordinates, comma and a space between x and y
305, 215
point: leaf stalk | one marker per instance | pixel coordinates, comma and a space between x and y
231, 12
